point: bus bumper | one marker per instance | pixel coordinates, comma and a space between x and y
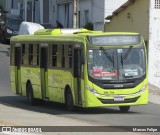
97, 100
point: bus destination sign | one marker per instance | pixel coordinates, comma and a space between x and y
115, 40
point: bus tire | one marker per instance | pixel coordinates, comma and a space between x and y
69, 100
124, 108
30, 96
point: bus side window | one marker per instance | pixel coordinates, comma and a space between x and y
37, 54
54, 55
30, 54
23, 53
34, 55
70, 56
63, 56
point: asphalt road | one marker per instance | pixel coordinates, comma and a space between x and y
148, 115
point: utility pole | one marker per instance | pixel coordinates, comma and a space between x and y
75, 14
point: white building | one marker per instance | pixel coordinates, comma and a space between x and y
39, 11
154, 43
48, 11
93, 11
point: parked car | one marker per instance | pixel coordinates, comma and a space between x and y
9, 26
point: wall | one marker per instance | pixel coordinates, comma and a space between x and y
85, 5
98, 14
154, 46
98, 9
134, 18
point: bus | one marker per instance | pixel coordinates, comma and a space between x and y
80, 68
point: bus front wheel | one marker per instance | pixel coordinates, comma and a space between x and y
124, 108
69, 101
30, 97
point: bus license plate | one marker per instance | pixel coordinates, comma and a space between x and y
118, 98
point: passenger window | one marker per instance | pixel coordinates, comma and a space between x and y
23, 53
30, 54
63, 57
54, 55
70, 56
37, 54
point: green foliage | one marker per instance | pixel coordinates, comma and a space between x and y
89, 26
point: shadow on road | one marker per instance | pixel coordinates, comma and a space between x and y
54, 108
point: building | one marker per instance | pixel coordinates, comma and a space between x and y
29, 10
46, 12
89, 11
142, 16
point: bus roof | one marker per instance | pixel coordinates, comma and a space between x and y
67, 34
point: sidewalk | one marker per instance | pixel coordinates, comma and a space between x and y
154, 94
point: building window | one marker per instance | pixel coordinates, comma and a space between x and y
157, 4
86, 14
46, 11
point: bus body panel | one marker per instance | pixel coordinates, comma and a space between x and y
12, 78
55, 85
31, 75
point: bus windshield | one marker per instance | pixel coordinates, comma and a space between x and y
116, 64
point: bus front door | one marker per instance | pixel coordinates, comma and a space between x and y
44, 72
77, 75
18, 70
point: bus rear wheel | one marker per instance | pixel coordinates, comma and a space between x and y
69, 101
124, 108
30, 97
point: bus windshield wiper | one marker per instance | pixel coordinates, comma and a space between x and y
127, 53
107, 54
121, 60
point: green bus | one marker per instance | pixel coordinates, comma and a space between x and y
79, 67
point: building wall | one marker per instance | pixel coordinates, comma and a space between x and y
98, 13
101, 9
154, 45
53, 13
134, 18
15, 3
83, 6
63, 13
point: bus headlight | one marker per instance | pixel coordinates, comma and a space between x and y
93, 91
143, 88
9, 31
